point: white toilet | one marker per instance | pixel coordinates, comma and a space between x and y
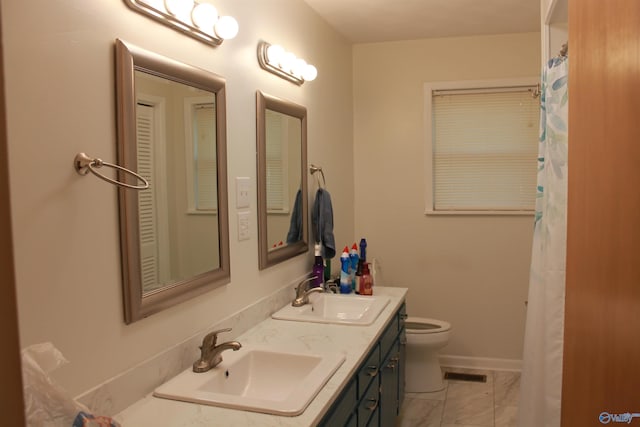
424, 338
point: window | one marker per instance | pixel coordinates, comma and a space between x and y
482, 146
200, 135
277, 148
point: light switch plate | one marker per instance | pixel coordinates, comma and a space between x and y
243, 226
243, 184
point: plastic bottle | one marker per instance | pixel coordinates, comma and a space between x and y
327, 269
361, 262
345, 279
363, 249
318, 267
354, 258
366, 281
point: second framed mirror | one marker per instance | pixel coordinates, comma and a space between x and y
283, 223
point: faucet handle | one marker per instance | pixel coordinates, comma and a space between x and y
211, 338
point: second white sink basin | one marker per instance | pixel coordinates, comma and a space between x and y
335, 308
252, 379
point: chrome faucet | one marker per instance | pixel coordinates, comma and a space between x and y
303, 292
210, 355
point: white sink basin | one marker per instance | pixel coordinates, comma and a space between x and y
335, 308
258, 380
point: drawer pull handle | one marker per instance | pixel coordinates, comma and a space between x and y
404, 316
392, 366
373, 370
373, 406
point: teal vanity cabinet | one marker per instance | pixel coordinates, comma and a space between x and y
374, 395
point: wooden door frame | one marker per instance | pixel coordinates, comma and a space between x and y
11, 399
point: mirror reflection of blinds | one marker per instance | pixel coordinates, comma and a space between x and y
274, 161
204, 151
147, 220
485, 150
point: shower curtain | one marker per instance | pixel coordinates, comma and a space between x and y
541, 381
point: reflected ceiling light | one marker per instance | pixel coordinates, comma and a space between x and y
196, 19
276, 60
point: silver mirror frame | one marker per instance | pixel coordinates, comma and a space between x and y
266, 257
137, 305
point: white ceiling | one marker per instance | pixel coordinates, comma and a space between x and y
364, 21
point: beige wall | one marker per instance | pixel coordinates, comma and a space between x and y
469, 270
60, 95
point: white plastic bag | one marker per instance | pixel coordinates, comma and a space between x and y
46, 403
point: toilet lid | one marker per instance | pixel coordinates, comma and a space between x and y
421, 325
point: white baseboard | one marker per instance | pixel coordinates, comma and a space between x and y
481, 363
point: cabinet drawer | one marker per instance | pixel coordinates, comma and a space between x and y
369, 371
402, 315
369, 404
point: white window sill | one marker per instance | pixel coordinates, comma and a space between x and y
194, 212
486, 213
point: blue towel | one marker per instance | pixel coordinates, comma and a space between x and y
322, 223
295, 225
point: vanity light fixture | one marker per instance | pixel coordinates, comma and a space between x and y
276, 60
196, 19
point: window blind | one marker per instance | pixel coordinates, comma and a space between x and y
276, 191
206, 179
484, 149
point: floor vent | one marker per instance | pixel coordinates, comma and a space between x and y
457, 376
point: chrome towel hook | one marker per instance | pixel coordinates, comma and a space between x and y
85, 164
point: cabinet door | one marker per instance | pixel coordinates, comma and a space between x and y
402, 365
342, 412
389, 387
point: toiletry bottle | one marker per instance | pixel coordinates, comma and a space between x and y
366, 281
345, 279
354, 258
361, 261
327, 269
318, 267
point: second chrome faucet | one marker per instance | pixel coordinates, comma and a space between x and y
210, 353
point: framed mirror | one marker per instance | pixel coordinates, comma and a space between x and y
171, 122
283, 223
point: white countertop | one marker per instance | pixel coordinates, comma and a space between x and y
354, 341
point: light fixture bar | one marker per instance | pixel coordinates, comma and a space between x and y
221, 28
276, 60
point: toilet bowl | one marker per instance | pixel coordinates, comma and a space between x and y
424, 338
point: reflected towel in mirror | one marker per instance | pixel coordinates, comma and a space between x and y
295, 226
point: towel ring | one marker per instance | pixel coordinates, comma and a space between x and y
313, 169
85, 164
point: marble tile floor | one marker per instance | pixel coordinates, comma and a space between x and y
464, 403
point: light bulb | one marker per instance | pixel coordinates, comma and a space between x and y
298, 67
204, 16
310, 73
286, 61
274, 53
226, 27
181, 9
